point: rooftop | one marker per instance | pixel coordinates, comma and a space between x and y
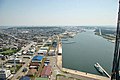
34, 64
46, 71
31, 72
38, 58
44, 48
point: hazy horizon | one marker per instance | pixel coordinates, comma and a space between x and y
4, 27
58, 12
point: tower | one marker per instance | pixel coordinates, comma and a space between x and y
115, 68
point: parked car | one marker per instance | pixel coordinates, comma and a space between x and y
24, 70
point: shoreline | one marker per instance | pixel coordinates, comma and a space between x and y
80, 73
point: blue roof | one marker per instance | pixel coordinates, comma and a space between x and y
25, 78
38, 58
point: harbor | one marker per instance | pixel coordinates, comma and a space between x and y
76, 73
83, 75
60, 40
88, 49
95, 75
51, 56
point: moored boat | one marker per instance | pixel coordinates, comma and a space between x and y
97, 66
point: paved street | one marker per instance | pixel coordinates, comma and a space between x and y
24, 66
55, 69
26, 63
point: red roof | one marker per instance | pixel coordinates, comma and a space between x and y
46, 71
43, 71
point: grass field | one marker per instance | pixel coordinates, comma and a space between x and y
8, 52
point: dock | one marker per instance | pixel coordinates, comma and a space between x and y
104, 71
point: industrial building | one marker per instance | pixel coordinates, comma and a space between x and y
37, 58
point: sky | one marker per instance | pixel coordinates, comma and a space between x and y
58, 12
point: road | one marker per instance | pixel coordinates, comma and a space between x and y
25, 65
53, 64
55, 69
20, 70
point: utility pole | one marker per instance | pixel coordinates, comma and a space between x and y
14, 63
2, 66
115, 68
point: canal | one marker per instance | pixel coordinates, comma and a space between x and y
86, 51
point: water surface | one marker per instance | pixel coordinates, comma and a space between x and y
86, 51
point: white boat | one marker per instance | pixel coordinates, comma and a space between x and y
113, 41
97, 66
68, 42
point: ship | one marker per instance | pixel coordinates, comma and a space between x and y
113, 41
71, 35
99, 69
68, 42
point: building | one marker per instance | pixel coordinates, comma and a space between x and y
48, 43
46, 72
37, 58
51, 52
4, 74
32, 72
47, 61
54, 44
27, 56
30, 53
60, 49
34, 65
24, 52
43, 50
17, 60
19, 54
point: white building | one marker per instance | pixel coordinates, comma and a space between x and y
43, 50
17, 60
4, 74
51, 52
